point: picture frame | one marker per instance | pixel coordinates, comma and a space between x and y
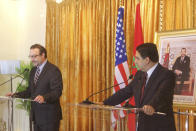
177, 52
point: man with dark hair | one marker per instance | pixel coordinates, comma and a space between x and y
181, 67
41, 49
153, 89
45, 88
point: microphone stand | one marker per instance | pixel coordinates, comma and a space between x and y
89, 102
19, 85
12, 78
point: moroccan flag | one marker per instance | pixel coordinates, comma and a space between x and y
138, 39
166, 59
121, 66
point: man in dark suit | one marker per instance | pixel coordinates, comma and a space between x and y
181, 67
45, 88
153, 89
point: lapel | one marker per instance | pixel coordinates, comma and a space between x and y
140, 85
43, 72
149, 85
182, 60
185, 60
33, 75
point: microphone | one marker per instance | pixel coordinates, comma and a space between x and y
18, 87
89, 102
127, 105
14, 94
25, 70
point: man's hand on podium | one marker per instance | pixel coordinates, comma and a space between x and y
149, 110
99, 103
39, 99
9, 94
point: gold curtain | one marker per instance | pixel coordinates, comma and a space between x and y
80, 39
179, 14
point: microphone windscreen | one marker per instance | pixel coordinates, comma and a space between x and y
131, 76
87, 102
26, 69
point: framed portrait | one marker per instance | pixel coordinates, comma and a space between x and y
177, 52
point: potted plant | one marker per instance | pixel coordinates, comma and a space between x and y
21, 86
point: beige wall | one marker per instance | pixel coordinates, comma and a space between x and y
22, 23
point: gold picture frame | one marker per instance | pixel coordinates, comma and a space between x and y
177, 52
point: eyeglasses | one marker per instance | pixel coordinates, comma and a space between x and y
33, 56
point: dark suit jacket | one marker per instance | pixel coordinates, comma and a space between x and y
183, 66
50, 86
158, 93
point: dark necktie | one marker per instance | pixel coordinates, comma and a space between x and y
143, 86
182, 59
36, 75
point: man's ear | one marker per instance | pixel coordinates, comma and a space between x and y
43, 55
147, 60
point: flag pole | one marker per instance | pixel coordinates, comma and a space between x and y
121, 3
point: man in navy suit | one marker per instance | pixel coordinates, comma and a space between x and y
45, 88
181, 67
153, 89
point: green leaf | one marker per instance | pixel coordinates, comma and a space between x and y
25, 105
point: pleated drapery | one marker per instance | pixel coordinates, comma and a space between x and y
80, 40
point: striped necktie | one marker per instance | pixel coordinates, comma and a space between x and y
36, 75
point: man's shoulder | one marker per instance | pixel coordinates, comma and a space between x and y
138, 74
178, 58
33, 69
166, 71
163, 70
52, 66
187, 57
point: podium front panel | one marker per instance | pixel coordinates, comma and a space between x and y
96, 118
13, 114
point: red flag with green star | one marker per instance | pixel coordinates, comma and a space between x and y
138, 39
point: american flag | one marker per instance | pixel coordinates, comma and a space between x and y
121, 66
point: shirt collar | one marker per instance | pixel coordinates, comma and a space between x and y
149, 72
42, 65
